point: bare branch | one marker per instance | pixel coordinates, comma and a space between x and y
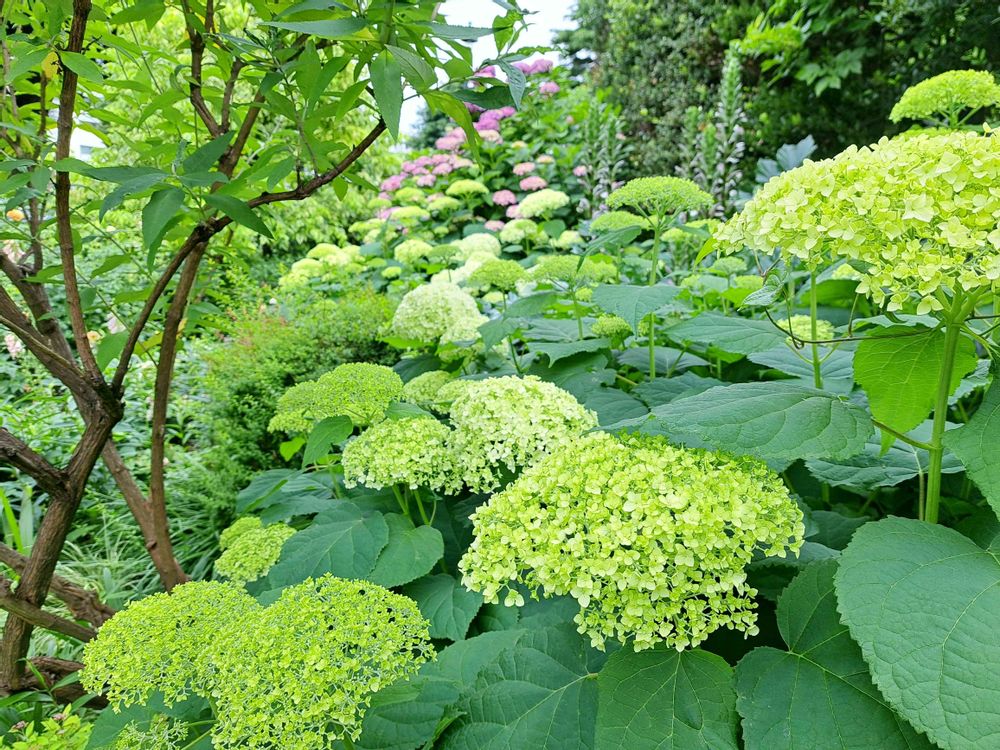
20, 455
84, 604
39, 617
197, 42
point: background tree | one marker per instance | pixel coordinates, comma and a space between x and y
253, 106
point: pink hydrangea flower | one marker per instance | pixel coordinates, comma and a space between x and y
534, 182
14, 346
504, 198
426, 180
514, 212
461, 162
394, 183
491, 136
489, 71
473, 108
443, 168
384, 213
549, 87
543, 65
447, 143
581, 171
525, 167
494, 225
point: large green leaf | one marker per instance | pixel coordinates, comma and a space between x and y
345, 541
447, 605
836, 366
728, 333
162, 207
818, 694
612, 405
770, 420
923, 602
975, 444
239, 212
900, 371
387, 81
633, 303
540, 694
410, 553
666, 700
664, 390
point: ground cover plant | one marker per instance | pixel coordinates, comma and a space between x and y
534, 454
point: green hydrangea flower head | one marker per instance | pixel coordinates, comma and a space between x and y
410, 215
612, 221
412, 452
334, 255
63, 731
412, 251
681, 235
517, 231
409, 195
480, 242
801, 328
543, 203
252, 553
751, 282
444, 203
448, 393
652, 540
161, 733
506, 423
921, 214
238, 528
845, 272
391, 272
659, 196
466, 188
423, 389
612, 327
569, 269
947, 95
504, 275
436, 312
359, 390
442, 253
325, 647
160, 643
567, 239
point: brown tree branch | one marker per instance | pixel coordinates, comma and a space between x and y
84, 604
19, 454
64, 228
39, 617
197, 43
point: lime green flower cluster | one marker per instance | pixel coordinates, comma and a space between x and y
728, 266
444, 203
323, 260
659, 196
480, 242
410, 252
358, 390
437, 313
612, 221
947, 96
248, 552
238, 528
299, 673
612, 327
164, 643
409, 195
161, 733
650, 539
410, 215
504, 275
921, 213
466, 188
504, 424
569, 269
543, 203
567, 239
801, 328
410, 452
520, 230
423, 390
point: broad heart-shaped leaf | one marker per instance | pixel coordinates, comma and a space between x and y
541, 694
668, 359
664, 390
923, 602
836, 367
818, 694
975, 444
666, 700
556, 351
872, 468
345, 541
899, 371
328, 432
633, 303
612, 405
447, 605
110, 724
728, 333
770, 420
410, 553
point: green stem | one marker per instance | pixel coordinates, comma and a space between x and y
420, 507
577, 315
813, 308
952, 332
652, 346
404, 506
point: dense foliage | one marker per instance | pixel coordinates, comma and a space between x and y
528, 450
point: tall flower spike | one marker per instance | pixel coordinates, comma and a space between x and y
650, 539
